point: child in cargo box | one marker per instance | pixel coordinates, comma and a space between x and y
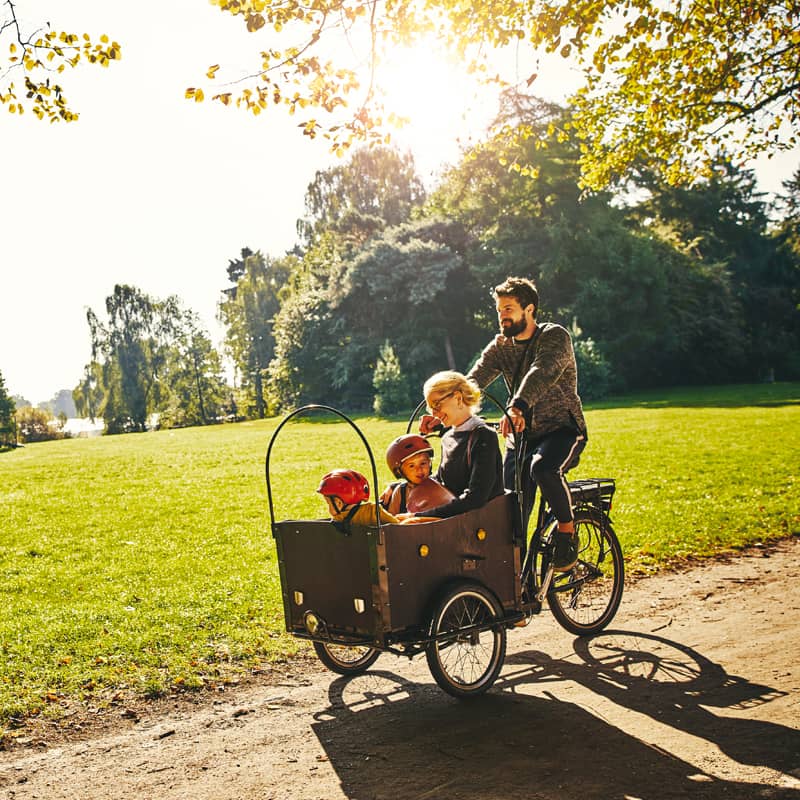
410, 457
346, 492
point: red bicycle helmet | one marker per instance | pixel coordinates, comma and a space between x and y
349, 486
404, 447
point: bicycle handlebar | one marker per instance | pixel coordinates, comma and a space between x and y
440, 429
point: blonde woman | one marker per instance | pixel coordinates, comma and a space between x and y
471, 466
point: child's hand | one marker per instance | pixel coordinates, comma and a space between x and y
409, 520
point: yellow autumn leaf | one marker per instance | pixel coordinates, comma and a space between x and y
254, 22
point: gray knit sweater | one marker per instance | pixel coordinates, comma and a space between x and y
544, 385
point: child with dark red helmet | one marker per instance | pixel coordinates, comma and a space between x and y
410, 457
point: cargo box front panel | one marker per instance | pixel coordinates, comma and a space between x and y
330, 573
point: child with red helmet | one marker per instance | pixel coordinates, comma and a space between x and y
410, 457
346, 493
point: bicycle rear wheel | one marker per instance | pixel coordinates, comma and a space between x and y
585, 599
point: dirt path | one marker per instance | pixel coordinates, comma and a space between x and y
695, 693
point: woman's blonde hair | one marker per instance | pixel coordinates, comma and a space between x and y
446, 383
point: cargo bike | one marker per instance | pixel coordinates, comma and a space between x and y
450, 589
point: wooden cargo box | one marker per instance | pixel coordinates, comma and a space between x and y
377, 585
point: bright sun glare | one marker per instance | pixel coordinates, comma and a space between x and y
436, 95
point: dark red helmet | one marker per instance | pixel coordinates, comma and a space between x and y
404, 447
349, 486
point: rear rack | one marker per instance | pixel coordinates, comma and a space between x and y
593, 492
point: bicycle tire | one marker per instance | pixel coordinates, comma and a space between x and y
585, 599
346, 659
466, 664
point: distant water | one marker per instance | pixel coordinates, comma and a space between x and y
76, 426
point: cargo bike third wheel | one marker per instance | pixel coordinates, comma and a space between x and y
468, 640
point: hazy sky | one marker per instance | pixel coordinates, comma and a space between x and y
153, 190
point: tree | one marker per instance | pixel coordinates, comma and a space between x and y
152, 357
410, 285
7, 407
674, 82
788, 204
377, 187
723, 220
89, 394
60, 403
236, 269
669, 82
194, 375
39, 57
305, 350
785, 270
248, 312
132, 350
654, 314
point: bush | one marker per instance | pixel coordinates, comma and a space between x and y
391, 387
594, 372
36, 425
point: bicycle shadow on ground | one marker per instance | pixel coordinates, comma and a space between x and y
674, 685
388, 739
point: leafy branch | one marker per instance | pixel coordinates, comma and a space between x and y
49, 52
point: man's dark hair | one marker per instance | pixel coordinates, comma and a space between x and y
522, 289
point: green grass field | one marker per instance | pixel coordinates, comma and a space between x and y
144, 562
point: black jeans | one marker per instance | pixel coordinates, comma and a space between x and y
545, 462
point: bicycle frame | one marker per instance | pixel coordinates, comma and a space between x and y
592, 495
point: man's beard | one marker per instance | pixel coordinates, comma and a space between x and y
513, 329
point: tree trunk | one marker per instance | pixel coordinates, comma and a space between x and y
259, 389
198, 383
448, 349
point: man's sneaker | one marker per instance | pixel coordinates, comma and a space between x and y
565, 551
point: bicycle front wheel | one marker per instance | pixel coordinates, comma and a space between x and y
585, 599
467, 652
346, 659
